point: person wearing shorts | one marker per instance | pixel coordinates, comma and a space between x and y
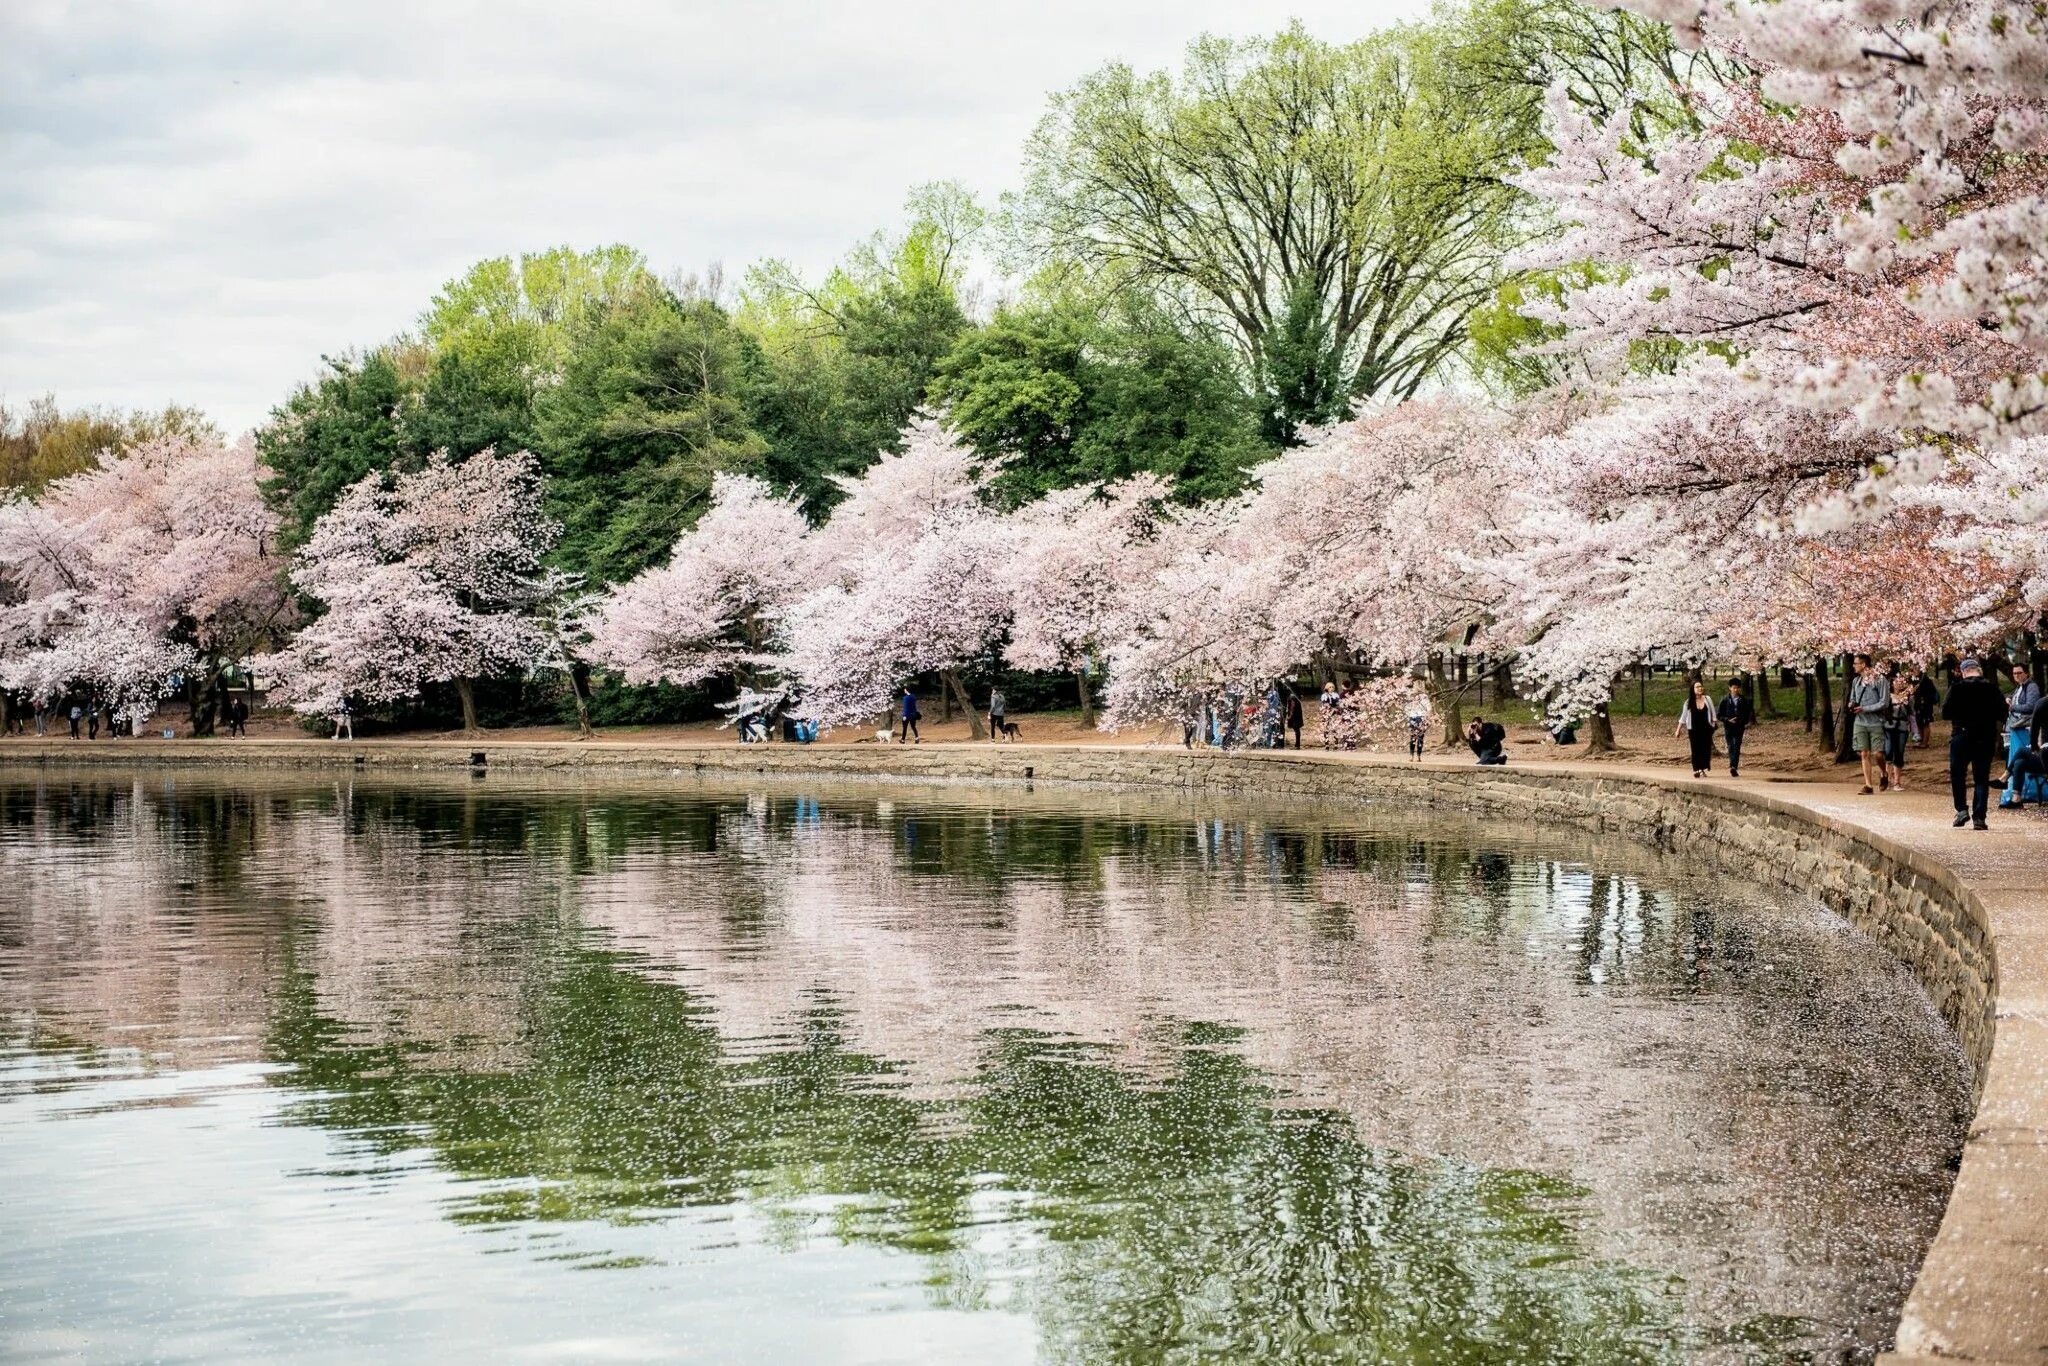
1870, 701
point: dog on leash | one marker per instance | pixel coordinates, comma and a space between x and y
1011, 731
885, 736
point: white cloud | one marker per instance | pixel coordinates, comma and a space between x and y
197, 200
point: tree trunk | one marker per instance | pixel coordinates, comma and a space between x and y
1845, 752
1448, 700
1766, 709
1827, 703
579, 688
466, 690
1806, 688
1087, 700
957, 691
209, 704
945, 704
1600, 731
1642, 690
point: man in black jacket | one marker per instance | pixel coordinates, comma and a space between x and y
1975, 711
1736, 713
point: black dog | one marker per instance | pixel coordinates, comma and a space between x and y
1011, 731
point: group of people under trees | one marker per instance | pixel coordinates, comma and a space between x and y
1891, 709
85, 715
1230, 717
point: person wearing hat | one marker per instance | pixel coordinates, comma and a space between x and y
1975, 711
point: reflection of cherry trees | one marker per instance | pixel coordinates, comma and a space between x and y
613, 1003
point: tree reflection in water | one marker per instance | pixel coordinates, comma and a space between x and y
1174, 1078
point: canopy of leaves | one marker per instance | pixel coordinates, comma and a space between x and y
1058, 396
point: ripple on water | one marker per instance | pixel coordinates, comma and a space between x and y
362, 1066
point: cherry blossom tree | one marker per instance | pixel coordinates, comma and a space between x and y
708, 611
1355, 545
428, 576
157, 562
1072, 553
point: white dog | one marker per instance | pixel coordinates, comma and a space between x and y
885, 736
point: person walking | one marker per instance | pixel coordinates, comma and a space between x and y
1418, 733
1975, 711
910, 717
1294, 716
1696, 722
2019, 723
1870, 701
42, 716
92, 718
77, 715
1899, 723
1736, 714
344, 721
1926, 700
997, 704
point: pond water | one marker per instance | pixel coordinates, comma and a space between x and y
368, 1068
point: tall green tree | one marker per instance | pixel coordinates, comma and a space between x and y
1057, 395
651, 404
1336, 211
843, 364
329, 434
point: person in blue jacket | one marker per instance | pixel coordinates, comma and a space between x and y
911, 716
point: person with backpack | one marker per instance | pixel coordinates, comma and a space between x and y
1294, 716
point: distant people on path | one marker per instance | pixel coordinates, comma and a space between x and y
1488, 740
1926, 701
2019, 724
1736, 715
1271, 716
910, 716
1294, 716
92, 720
1418, 732
998, 706
1696, 722
42, 716
238, 716
344, 721
1975, 711
77, 715
1900, 723
1870, 701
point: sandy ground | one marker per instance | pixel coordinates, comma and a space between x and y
1781, 748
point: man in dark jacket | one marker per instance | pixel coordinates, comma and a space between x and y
1488, 740
1736, 713
1975, 711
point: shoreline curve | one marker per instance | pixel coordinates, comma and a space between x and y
1966, 913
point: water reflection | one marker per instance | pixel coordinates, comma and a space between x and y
1107, 1077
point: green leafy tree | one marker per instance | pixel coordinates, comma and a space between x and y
331, 433
1060, 396
650, 405
842, 365
1336, 211
42, 443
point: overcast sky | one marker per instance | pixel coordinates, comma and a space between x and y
199, 198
